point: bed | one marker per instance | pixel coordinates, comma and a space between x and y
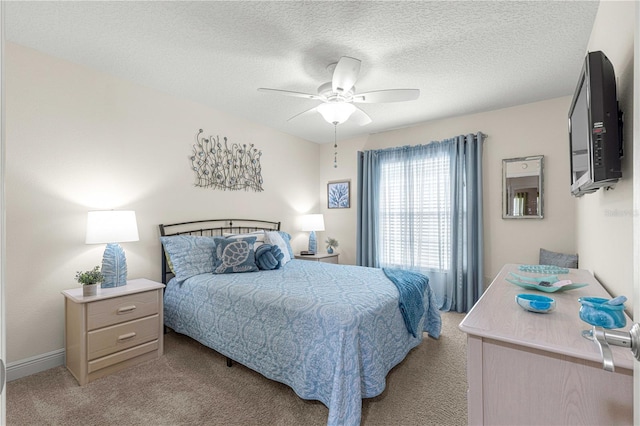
330, 332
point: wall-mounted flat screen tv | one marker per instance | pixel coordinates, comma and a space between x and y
595, 128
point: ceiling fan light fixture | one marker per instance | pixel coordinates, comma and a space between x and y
336, 112
338, 94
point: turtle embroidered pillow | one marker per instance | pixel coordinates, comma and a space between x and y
258, 234
235, 255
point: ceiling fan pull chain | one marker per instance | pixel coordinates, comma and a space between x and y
335, 145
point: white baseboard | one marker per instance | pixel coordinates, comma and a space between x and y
35, 364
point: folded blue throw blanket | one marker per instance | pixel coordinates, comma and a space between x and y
411, 286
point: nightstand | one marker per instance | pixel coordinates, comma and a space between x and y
320, 257
115, 329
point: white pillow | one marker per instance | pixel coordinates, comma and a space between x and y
274, 238
258, 234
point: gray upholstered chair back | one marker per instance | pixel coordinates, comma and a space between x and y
558, 259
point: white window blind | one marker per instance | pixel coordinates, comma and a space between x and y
415, 213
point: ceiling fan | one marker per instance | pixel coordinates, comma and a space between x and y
339, 95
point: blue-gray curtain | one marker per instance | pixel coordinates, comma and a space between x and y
458, 287
467, 234
367, 209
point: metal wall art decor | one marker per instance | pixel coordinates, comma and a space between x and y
222, 166
338, 194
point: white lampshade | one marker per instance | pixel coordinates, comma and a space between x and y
312, 222
111, 226
336, 112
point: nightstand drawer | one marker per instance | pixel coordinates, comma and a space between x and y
122, 336
119, 309
332, 259
122, 356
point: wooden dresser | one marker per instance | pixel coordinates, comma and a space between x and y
537, 369
117, 328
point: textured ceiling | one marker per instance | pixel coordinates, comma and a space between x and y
465, 57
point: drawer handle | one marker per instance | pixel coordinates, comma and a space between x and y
126, 336
126, 309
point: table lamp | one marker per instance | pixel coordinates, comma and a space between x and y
312, 223
112, 227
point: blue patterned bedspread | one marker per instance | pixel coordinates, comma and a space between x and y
330, 332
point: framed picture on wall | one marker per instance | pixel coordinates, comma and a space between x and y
339, 194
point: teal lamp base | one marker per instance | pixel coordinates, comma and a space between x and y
114, 266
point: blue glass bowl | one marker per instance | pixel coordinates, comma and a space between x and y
594, 312
536, 303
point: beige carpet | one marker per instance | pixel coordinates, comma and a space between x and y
191, 385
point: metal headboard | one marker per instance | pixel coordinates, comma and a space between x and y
211, 228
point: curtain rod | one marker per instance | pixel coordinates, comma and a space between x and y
484, 137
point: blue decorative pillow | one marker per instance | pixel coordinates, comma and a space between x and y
274, 238
189, 255
287, 239
235, 255
269, 257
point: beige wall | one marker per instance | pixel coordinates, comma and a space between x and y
533, 129
596, 226
79, 140
604, 220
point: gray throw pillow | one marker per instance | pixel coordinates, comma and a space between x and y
558, 259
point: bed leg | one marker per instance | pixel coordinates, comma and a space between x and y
229, 362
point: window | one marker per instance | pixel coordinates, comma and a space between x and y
420, 208
415, 212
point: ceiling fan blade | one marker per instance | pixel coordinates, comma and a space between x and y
304, 113
345, 74
360, 117
290, 93
392, 95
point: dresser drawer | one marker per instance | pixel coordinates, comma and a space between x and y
122, 336
119, 309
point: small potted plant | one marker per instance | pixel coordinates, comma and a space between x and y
90, 281
331, 244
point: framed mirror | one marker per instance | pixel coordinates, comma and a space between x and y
522, 193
